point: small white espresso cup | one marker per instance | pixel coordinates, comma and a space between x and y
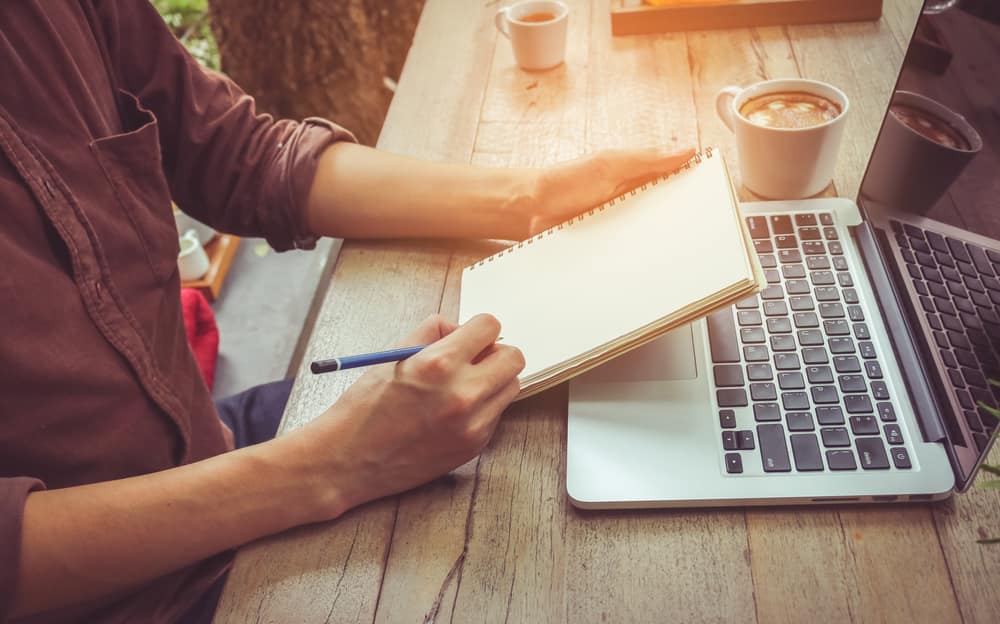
192, 261
536, 44
784, 163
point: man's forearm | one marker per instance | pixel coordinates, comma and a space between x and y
359, 192
89, 541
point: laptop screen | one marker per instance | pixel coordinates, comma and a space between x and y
933, 186
938, 153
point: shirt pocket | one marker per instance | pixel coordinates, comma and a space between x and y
133, 165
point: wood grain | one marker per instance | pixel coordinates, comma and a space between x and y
497, 539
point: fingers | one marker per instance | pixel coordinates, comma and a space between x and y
471, 338
633, 167
431, 329
497, 367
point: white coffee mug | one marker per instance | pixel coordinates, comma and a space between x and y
192, 261
909, 171
784, 163
536, 44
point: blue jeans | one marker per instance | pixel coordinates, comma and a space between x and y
254, 416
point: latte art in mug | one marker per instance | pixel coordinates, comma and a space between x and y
791, 110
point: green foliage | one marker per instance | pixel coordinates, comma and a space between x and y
189, 21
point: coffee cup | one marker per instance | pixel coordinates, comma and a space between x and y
922, 148
537, 32
192, 261
789, 149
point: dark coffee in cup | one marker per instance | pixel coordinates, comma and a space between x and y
929, 126
790, 110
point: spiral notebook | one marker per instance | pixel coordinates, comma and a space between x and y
618, 276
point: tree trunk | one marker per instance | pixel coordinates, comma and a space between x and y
326, 58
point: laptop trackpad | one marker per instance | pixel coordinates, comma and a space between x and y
667, 358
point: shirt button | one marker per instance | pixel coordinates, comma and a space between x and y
98, 289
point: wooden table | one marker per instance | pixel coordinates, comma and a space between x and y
498, 540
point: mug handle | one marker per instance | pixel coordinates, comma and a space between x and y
501, 21
724, 105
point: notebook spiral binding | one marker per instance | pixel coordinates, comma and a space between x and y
691, 162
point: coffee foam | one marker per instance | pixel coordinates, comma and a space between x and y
789, 109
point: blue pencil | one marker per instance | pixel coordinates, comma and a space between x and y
365, 359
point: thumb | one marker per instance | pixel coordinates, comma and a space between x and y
431, 329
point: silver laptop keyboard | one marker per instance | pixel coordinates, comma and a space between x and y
799, 357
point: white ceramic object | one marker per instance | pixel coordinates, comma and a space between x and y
185, 222
784, 163
537, 45
192, 261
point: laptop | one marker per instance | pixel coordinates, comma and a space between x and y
859, 373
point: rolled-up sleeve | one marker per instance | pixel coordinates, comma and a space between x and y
237, 170
13, 493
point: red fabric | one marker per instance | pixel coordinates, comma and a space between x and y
202, 333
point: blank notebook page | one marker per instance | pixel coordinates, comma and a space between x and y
642, 258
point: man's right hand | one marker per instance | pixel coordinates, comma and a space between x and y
403, 424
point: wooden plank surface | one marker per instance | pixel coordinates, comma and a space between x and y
497, 539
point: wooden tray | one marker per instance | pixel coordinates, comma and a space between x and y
220, 250
709, 14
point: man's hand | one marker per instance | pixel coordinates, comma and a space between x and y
567, 188
401, 425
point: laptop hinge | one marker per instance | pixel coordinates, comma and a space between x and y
925, 402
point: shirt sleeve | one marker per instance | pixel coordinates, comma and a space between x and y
13, 492
239, 171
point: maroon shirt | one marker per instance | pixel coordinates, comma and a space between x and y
103, 118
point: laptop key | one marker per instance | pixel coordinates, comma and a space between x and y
758, 227
815, 355
734, 463
732, 397
729, 376
864, 425
729, 440
841, 459
759, 372
880, 391
858, 404
893, 435
786, 361
752, 335
805, 319
793, 271
900, 458
798, 287
871, 452
789, 256
867, 349
861, 331
824, 395
815, 248
722, 336
786, 241
835, 248
873, 369
826, 218
727, 419
835, 436
773, 452
937, 242
972, 418
766, 412
779, 325
830, 415
817, 263
810, 337
805, 450
744, 440
886, 412
763, 246
822, 278
781, 224
799, 421
763, 391
830, 310
855, 313
756, 353
851, 383
805, 218
841, 345
958, 249
810, 234
791, 381
775, 308
837, 327
845, 280
847, 364
767, 261
827, 293
830, 233
801, 303
744, 317
819, 374
783, 342
979, 259
840, 263
794, 401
